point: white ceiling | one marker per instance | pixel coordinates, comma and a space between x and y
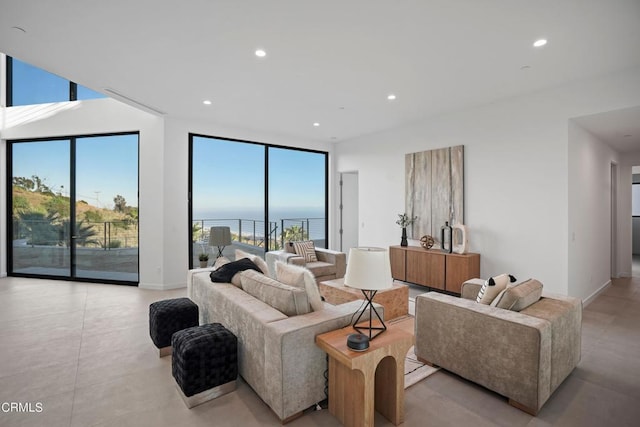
331, 62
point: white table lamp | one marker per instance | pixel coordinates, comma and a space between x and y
369, 270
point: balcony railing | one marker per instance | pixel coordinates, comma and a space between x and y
252, 232
105, 234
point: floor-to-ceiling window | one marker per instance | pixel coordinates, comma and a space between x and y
297, 195
227, 188
74, 207
265, 194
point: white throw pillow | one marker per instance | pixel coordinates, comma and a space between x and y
300, 277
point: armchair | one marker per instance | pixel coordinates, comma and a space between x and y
522, 355
330, 265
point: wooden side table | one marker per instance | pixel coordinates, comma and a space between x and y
362, 382
395, 300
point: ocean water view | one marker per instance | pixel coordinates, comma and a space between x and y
250, 221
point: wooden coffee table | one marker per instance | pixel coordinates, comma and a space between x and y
395, 300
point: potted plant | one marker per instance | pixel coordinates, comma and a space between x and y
204, 259
404, 221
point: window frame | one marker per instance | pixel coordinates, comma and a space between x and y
266, 146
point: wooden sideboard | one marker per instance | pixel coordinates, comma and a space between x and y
433, 268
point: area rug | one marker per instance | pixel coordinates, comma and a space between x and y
414, 370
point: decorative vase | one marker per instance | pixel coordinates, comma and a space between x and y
404, 241
460, 241
203, 264
446, 234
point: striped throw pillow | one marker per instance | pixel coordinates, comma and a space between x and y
307, 250
492, 287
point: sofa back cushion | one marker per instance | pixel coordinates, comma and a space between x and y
287, 299
302, 278
262, 264
520, 296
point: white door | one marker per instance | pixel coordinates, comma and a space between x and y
348, 211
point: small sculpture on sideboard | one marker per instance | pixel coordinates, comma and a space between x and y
427, 241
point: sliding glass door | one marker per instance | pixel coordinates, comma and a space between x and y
297, 196
265, 194
40, 208
227, 187
74, 204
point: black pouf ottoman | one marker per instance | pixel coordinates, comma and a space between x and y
169, 316
204, 362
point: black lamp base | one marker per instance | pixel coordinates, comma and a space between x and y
369, 294
358, 342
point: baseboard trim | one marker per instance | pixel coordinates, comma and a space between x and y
161, 287
588, 300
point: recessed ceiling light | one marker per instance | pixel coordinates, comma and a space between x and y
206, 102
261, 53
525, 67
391, 97
316, 124
539, 43
627, 135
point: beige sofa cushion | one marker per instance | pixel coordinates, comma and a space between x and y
287, 299
492, 287
302, 278
520, 296
262, 265
321, 268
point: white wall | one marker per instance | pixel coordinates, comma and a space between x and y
94, 117
516, 175
590, 247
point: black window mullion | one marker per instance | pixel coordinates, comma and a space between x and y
9, 82
73, 91
267, 225
72, 207
10, 221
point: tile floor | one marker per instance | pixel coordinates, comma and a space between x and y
83, 352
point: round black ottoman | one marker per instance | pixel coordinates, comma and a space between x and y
204, 362
169, 316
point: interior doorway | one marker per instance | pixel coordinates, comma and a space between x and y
348, 211
614, 221
635, 213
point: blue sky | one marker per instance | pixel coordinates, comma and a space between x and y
32, 85
106, 166
228, 176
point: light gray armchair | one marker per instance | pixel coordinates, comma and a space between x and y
522, 355
330, 265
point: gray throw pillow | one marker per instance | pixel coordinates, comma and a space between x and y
520, 296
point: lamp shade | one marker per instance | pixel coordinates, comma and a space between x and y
219, 236
369, 269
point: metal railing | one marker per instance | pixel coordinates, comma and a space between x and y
252, 231
105, 234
